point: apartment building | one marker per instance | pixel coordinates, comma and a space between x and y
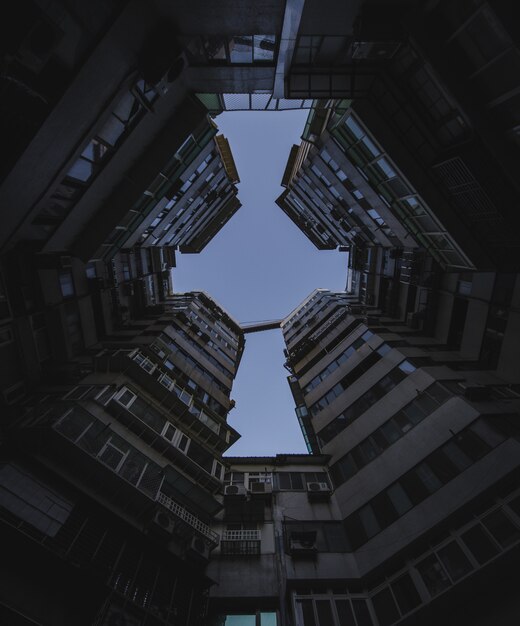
421, 438
109, 482
116, 502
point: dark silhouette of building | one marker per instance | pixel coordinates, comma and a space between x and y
116, 503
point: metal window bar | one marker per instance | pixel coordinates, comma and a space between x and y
241, 535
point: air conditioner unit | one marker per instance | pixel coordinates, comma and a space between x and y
198, 548
264, 488
303, 544
163, 522
318, 488
234, 490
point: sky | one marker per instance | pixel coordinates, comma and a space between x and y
259, 267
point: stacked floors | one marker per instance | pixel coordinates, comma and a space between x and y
108, 482
421, 434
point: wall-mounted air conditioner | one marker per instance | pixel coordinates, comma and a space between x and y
318, 487
198, 548
303, 544
317, 490
235, 490
163, 522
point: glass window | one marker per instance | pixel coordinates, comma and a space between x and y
386, 168
112, 130
399, 498
369, 521
402, 422
384, 510
112, 454
355, 530
268, 619
354, 128
433, 575
73, 424
442, 466
369, 449
383, 349
81, 170
456, 456
66, 284
390, 431
407, 367
306, 611
414, 487
502, 528
428, 478
414, 413
454, 560
344, 611
345, 467
370, 146
324, 611
405, 593
385, 607
480, 544
362, 612
169, 432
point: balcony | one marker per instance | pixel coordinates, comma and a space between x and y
240, 543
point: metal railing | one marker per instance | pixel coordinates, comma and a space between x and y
241, 535
187, 517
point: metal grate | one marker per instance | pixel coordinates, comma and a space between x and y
464, 187
241, 535
187, 517
261, 102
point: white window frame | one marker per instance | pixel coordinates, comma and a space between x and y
123, 458
218, 470
120, 394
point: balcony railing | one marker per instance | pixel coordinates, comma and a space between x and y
188, 517
241, 535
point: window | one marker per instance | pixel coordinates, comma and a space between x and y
405, 593
199, 455
433, 575
66, 284
501, 527
169, 432
234, 478
126, 397
111, 454
144, 362
218, 470
290, 481
385, 607
454, 560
